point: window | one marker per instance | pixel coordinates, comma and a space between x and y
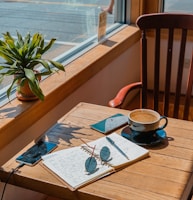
72, 22
185, 6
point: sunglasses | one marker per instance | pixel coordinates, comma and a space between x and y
91, 162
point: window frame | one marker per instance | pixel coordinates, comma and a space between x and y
76, 51
23, 115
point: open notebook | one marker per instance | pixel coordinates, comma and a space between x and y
69, 164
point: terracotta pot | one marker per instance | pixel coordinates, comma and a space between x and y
24, 93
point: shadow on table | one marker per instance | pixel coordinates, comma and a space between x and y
64, 133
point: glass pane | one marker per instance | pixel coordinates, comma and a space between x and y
178, 6
71, 22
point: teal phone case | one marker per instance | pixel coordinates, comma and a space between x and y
111, 123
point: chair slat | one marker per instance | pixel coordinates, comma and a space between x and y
180, 73
144, 69
189, 91
168, 71
157, 69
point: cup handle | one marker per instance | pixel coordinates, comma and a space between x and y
166, 122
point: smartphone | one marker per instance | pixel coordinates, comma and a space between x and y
33, 155
111, 123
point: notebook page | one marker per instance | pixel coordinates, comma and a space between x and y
69, 165
132, 150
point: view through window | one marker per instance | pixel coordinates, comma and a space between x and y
185, 6
72, 22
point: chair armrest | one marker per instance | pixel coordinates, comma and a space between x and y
121, 95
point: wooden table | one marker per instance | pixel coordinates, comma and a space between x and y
166, 174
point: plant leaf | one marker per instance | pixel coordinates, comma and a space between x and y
44, 63
34, 86
20, 41
57, 65
33, 83
10, 88
29, 74
48, 46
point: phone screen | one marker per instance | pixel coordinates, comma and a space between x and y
33, 154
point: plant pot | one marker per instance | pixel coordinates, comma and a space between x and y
24, 92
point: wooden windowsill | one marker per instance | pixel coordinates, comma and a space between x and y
17, 116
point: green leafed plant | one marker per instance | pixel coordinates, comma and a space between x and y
21, 57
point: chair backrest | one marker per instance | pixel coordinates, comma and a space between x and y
167, 60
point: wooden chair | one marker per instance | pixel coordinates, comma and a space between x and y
165, 66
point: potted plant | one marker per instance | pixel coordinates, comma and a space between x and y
21, 58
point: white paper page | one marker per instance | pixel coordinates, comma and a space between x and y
132, 150
69, 164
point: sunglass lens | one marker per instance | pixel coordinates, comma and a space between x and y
105, 153
91, 165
